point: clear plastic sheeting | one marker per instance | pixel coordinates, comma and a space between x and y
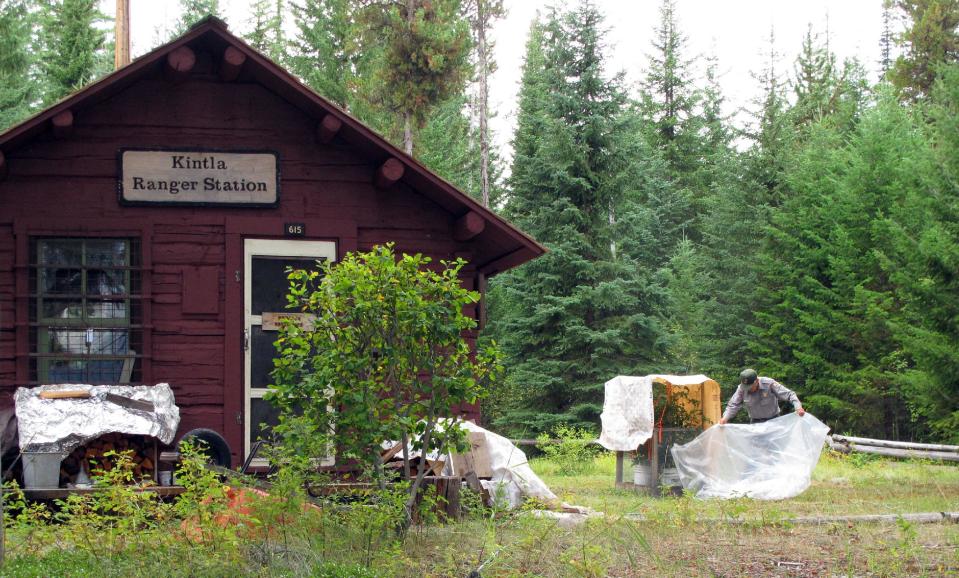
61, 425
627, 412
772, 460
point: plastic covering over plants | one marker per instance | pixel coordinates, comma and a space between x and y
772, 460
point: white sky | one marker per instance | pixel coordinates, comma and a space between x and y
736, 31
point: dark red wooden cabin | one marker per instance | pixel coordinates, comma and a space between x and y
109, 279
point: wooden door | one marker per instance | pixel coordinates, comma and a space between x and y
264, 297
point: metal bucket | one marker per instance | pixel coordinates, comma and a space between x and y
670, 478
41, 470
642, 473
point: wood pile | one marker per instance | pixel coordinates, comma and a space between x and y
92, 457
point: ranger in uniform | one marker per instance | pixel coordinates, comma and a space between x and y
761, 396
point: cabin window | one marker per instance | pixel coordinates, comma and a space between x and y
85, 310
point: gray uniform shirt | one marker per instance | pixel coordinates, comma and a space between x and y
764, 403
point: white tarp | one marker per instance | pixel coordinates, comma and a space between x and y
512, 478
772, 460
627, 412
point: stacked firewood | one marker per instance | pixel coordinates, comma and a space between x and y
93, 457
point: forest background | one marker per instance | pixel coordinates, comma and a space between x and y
816, 238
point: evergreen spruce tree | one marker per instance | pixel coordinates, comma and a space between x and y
670, 98
192, 11
924, 265
688, 285
450, 145
823, 90
770, 133
829, 304
717, 269
813, 83
422, 50
931, 40
72, 47
266, 34
321, 52
886, 39
584, 312
17, 91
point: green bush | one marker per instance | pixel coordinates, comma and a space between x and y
575, 452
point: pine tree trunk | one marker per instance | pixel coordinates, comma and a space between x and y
411, 6
483, 57
408, 133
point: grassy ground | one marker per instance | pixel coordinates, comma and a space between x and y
675, 538
841, 485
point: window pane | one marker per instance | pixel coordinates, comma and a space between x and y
62, 281
106, 309
63, 371
83, 371
60, 252
109, 341
106, 282
106, 252
87, 341
62, 309
262, 353
84, 310
261, 412
270, 284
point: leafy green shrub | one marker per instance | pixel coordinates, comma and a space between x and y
575, 452
386, 347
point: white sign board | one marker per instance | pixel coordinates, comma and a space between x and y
199, 177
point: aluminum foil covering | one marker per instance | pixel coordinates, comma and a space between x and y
61, 425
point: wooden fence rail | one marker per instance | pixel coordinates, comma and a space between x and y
847, 444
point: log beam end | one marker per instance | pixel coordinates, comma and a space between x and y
389, 173
468, 226
62, 124
327, 129
179, 64
231, 64
3, 166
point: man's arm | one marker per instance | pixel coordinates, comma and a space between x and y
734, 405
783, 393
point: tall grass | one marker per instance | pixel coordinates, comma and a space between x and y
284, 534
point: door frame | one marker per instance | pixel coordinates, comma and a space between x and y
267, 248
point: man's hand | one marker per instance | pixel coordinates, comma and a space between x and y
801, 412
722, 421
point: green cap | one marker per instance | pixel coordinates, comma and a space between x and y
748, 376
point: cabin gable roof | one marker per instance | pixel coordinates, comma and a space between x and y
509, 246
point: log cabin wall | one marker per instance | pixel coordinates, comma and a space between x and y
62, 182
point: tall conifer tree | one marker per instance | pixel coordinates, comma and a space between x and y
72, 47
192, 11
17, 91
321, 52
423, 48
924, 265
582, 313
930, 41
